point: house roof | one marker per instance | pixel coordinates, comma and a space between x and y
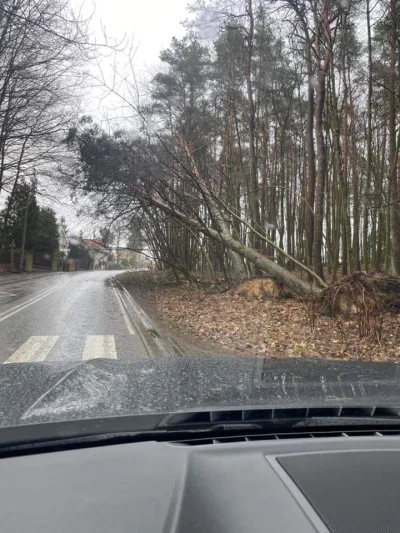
94, 245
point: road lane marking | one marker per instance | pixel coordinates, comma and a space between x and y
2, 293
16, 309
34, 349
97, 346
30, 300
40, 295
124, 313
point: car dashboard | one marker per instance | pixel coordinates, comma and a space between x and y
303, 485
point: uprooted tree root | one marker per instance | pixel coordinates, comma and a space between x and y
372, 298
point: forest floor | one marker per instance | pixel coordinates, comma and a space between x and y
260, 327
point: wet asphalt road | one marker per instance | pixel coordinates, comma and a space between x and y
64, 317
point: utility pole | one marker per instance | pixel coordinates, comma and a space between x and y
22, 251
118, 241
12, 248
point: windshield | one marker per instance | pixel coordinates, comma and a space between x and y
199, 205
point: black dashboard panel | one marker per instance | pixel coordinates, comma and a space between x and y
354, 491
285, 486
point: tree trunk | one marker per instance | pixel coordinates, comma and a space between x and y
310, 156
368, 176
321, 177
394, 189
254, 204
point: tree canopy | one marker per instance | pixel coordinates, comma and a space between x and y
42, 233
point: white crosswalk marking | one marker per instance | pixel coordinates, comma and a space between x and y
99, 346
33, 350
37, 348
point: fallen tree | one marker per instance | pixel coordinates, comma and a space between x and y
131, 176
127, 172
259, 260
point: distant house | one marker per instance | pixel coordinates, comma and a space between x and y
97, 251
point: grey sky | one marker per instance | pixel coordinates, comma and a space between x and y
146, 27
152, 23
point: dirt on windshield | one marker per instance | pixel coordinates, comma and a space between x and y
228, 320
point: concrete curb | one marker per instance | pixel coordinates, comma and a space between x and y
156, 344
166, 345
147, 323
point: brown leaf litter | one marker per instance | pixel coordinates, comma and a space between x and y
272, 327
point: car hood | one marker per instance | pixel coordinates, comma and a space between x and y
49, 392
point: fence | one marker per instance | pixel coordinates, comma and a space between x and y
84, 265
42, 261
5, 256
5, 259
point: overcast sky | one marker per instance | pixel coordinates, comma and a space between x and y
152, 23
147, 25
